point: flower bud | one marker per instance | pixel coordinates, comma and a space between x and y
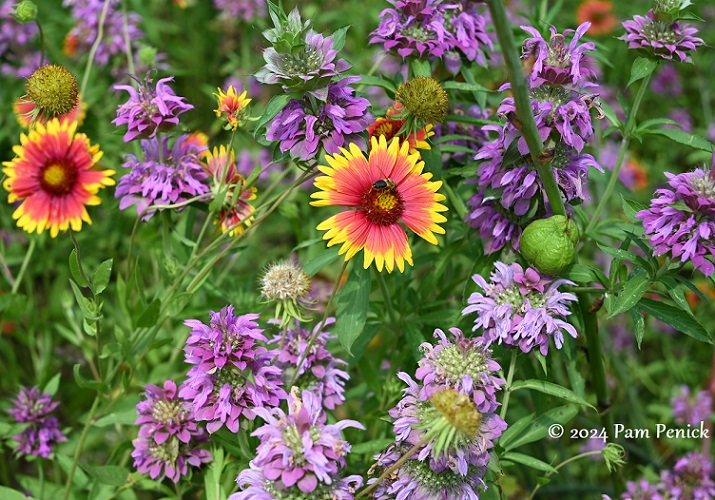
25, 12
548, 244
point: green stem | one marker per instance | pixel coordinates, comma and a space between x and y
23, 267
80, 445
320, 327
595, 359
404, 458
628, 133
522, 101
563, 464
127, 42
507, 388
388, 301
456, 201
41, 477
95, 46
42, 42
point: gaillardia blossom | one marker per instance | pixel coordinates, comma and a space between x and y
51, 176
385, 188
227, 184
232, 106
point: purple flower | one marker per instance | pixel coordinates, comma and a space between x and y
298, 453
149, 111
246, 10
521, 308
692, 411
661, 37
42, 431
667, 81
87, 14
416, 480
306, 124
691, 478
496, 225
319, 372
477, 135
309, 67
593, 444
465, 365
248, 160
642, 490
554, 62
687, 232
168, 436
257, 487
164, 176
231, 375
682, 118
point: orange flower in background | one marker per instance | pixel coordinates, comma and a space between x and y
384, 189
232, 106
51, 176
636, 173
200, 140
600, 14
25, 109
389, 128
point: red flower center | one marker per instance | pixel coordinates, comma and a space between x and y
58, 178
382, 206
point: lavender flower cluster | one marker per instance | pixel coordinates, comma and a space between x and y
434, 29
18, 57
521, 308
510, 193
450, 417
42, 431
691, 478
169, 438
328, 116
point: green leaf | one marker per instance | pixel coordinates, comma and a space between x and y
610, 114
532, 462
314, 266
112, 475
676, 293
633, 290
638, 325
631, 208
420, 68
179, 302
620, 254
76, 271
551, 389
339, 38
371, 447
539, 428
86, 383
454, 148
149, 317
353, 304
675, 135
52, 386
212, 479
273, 107
676, 318
376, 81
467, 87
10, 494
100, 278
125, 417
581, 273
642, 67
514, 431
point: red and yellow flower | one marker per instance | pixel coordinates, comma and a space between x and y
384, 189
389, 127
52, 177
25, 110
232, 106
600, 14
227, 184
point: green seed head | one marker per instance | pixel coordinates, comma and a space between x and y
25, 12
53, 89
548, 244
424, 98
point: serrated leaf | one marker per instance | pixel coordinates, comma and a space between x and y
339, 38
642, 67
676, 293
676, 318
75, 270
620, 254
527, 460
112, 475
551, 389
100, 278
638, 325
610, 115
675, 135
631, 208
150, 315
633, 290
581, 273
353, 304
539, 428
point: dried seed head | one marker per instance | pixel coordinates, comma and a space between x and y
285, 281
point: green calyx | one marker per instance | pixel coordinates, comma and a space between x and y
548, 244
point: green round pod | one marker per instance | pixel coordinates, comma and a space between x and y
548, 244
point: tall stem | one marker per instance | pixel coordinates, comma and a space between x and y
522, 101
630, 126
95, 46
80, 445
507, 389
23, 267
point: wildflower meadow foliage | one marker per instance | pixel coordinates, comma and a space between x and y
391, 249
